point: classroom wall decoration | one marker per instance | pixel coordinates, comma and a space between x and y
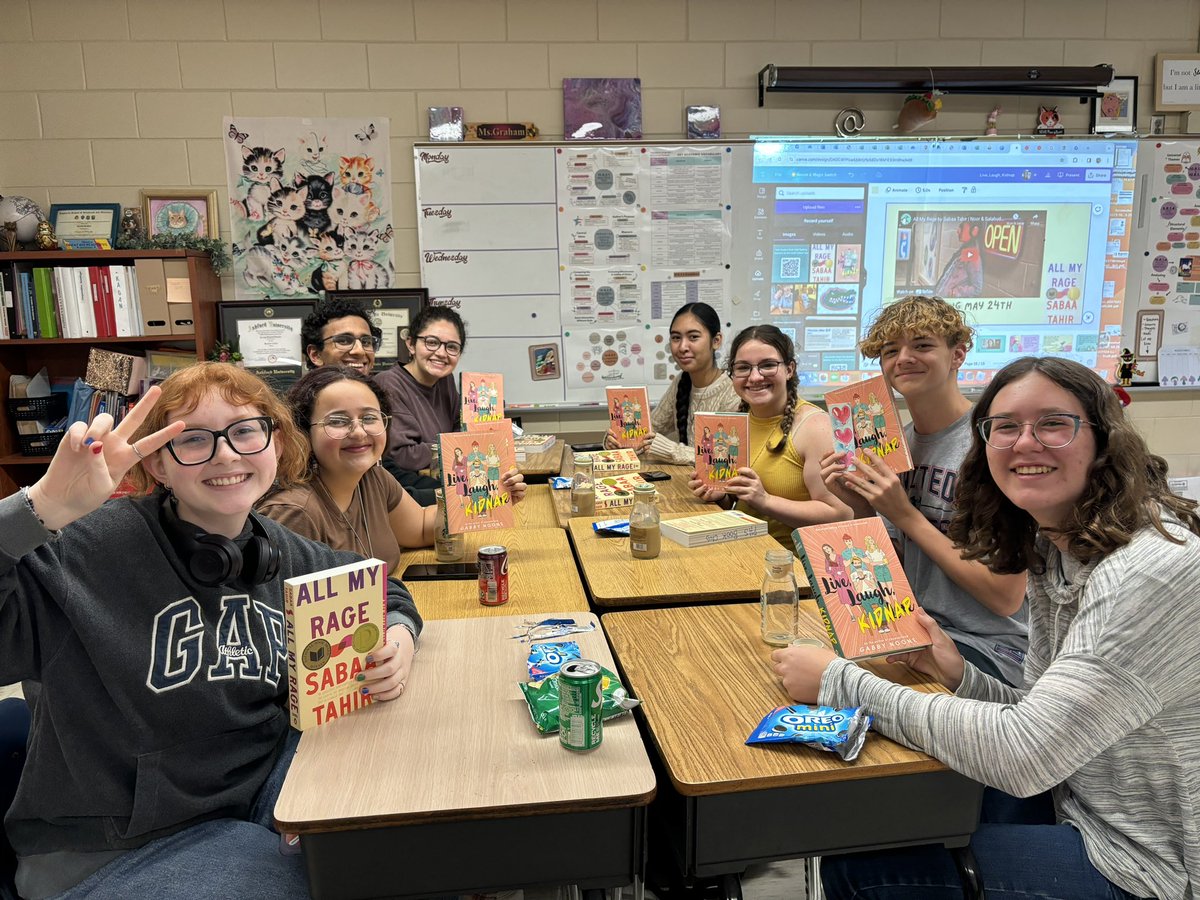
310, 205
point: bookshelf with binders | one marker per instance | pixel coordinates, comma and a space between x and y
128, 301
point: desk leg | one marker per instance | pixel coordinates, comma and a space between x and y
968, 872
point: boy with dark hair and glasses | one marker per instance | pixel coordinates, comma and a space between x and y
921, 343
339, 332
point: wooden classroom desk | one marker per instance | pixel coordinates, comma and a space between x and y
546, 462
674, 496
537, 509
706, 680
542, 577
732, 570
451, 790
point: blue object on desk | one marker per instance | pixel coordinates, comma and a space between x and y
611, 527
559, 483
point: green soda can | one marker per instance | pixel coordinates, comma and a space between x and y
580, 702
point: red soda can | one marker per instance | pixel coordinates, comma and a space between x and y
493, 575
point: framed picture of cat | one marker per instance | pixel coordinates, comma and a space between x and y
180, 212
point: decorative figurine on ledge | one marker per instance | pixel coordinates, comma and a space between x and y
918, 111
131, 224
1049, 123
23, 215
1127, 368
990, 131
45, 238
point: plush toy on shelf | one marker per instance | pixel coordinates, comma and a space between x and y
918, 111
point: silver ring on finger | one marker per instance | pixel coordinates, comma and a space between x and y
136, 451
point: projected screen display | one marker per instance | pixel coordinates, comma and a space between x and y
1029, 238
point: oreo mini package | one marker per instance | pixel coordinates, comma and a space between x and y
546, 659
840, 731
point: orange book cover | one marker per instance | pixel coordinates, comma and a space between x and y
333, 619
482, 397
722, 445
866, 602
472, 463
865, 419
628, 414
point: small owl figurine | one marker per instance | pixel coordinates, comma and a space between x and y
45, 238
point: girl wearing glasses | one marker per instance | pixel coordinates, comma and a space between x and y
161, 727
788, 437
422, 391
701, 386
347, 501
1059, 483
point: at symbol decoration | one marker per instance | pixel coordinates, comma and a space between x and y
849, 121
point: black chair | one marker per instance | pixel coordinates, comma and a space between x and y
14, 736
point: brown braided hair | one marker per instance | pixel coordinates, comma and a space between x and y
781, 343
710, 322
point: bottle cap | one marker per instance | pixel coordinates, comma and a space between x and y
644, 489
780, 557
581, 458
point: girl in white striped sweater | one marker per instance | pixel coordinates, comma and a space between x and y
1060, 484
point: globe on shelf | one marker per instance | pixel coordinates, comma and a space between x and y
24, 213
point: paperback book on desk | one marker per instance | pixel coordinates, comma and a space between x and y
712, 528
867, 605
333, 619
865, 420
472, 464
616, 490
607, 462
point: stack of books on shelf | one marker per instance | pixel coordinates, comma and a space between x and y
100, 301
712, 528
532, 443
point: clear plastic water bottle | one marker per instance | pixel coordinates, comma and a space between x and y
780, 599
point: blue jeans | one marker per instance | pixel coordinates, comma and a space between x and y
1016, 861
217, 859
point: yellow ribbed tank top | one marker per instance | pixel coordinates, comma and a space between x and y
782, 473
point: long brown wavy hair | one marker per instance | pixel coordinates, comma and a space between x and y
776, 339
185, 390
1126, 489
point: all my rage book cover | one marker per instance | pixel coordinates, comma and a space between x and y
333, 619
867, 605
865, 420
472, 464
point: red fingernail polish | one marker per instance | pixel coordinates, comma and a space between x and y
96, 448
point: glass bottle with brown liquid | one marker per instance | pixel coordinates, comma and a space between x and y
645, 535
447, 547
583, 487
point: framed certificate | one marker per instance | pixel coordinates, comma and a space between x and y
85, 221
392, 310
267, 335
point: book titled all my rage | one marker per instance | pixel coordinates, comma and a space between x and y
628, 414
482, 396
605, 462
722, 445
334, 618
867, 605
472, 463
865, 420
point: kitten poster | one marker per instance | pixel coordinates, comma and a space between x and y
309, 205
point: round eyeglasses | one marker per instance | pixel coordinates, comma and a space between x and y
1053, 430
347, 341
766, 368
432, 343
196, 446
338, 427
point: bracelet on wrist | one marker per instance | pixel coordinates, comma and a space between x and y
32, 511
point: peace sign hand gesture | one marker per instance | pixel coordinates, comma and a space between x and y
92, 459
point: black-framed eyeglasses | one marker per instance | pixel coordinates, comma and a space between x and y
347, 341
1053, 430
766, 368
433, 342
196, 446
338, 426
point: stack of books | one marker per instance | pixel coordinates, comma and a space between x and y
616, 490
712, 528
532, 443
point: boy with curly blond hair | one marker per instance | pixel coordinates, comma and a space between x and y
921, 342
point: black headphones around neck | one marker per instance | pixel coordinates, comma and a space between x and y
213, 559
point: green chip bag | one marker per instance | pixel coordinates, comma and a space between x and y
542, 697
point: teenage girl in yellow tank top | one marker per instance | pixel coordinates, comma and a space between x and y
788, 437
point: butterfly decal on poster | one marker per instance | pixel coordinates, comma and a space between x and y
239, 136
386, 234
367, 133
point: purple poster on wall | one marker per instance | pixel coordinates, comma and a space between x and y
602, 108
